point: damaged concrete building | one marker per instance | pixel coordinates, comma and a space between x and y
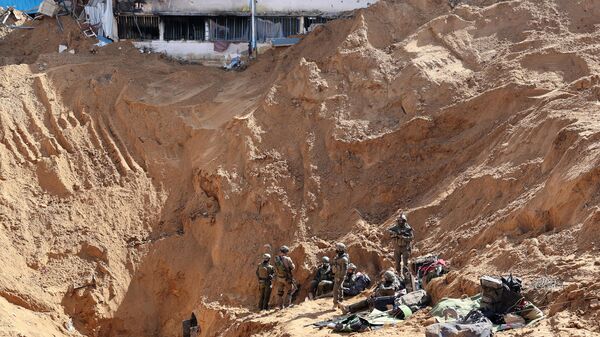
217, 29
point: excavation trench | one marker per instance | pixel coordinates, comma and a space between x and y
135, 190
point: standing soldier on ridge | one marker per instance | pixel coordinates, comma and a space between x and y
285, 281
403, 235
340, 268
265, 273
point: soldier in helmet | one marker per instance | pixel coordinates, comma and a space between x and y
355, 281
389, 287
390, 284
321, 280
340, 268
403, 236
285, 280
265, 273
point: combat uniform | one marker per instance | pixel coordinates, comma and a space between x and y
355, 283
322, 278
385, 293
284, 280
340, 268
265, 273
390, 285
403, 234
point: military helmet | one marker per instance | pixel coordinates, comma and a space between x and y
389, 276
340, 247
325, 259
351, 266
402, 218
266, 256
284, 249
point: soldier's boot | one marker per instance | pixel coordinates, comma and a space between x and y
311, 296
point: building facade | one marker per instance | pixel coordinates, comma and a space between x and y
218, 29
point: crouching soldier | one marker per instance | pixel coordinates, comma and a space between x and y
265, 273
389, 285
356, 282
386, 291
285, 280
340, 268
322, 281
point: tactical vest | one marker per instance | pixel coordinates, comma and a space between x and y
349, 280
263, 271
337, 265
282, 270
402, 230
323, 273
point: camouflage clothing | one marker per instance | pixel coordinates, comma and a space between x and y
403, 235
356, 283
389, 287
265, 273
323, 274
340, 268
284, 281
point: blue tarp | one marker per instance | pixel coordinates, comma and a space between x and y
282, 41
27, 6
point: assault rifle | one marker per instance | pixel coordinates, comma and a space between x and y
398, 232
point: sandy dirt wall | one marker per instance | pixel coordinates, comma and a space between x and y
136, 189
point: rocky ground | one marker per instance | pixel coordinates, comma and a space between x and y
135, 189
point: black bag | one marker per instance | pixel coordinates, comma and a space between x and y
414, 300
353, 323
513, 283
499, 296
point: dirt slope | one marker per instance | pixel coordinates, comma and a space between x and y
135, 190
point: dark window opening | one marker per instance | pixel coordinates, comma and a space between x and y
229, 28
184, 28
314, 20
276, 26
138, 27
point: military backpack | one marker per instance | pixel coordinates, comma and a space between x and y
281, 268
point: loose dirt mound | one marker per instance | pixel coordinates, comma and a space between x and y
135, 190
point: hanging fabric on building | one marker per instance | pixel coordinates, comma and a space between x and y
99, 14
267, 29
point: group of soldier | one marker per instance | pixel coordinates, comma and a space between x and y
337, 275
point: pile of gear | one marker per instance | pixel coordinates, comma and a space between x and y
500, 306
399, 293
389, 304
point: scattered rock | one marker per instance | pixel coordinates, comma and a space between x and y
576, 294
93, 251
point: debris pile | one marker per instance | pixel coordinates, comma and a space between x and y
10, 19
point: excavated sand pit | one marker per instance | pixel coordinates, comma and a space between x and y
135, 190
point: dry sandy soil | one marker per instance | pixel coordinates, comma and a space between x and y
135, 189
